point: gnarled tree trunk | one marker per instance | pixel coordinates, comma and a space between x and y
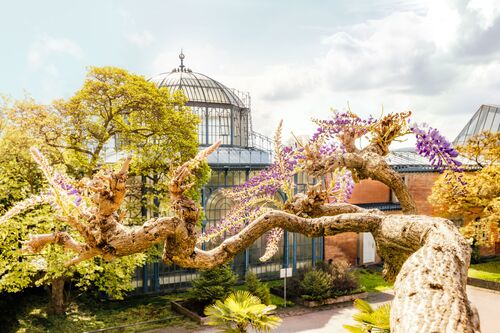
427, 256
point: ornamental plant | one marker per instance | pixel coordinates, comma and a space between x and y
241, 310
213, 284
258, 288
370, 320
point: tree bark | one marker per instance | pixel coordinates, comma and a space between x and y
427, 256
57, 305
430, 291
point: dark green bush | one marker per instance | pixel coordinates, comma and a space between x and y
316, 284
258, 288
213, 284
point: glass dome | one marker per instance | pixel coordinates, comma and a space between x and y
224, 112
198, 88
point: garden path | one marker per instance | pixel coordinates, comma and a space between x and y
330, 319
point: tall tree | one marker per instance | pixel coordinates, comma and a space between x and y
419, 251
479, 202
115, 112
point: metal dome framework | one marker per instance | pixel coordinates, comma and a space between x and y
225, 115
224, 112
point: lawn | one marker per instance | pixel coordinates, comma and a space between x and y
87, 314
372, 280
486, 271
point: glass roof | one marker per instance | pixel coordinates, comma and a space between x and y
197, 87
487, 118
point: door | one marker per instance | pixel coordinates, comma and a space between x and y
368, 248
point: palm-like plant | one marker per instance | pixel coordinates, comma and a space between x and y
371, 320
240, 310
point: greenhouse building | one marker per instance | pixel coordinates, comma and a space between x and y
226, 115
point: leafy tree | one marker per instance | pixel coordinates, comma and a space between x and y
371, 320
258, 288
114, 113
479, 201
213, 284
418, 251
241, 310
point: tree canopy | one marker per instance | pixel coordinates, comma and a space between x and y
479, 202
113, 114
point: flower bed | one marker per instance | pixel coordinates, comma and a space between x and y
312, 303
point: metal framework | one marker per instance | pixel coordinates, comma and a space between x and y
226, 115
487, 118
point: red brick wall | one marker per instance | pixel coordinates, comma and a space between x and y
342, 247
420, 187
370, 191
345, 246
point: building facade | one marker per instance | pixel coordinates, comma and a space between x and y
225, 114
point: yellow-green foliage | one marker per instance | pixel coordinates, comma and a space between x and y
241, 310
151, 124
371, 320
480, 200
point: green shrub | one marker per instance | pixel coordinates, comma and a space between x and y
316, 284
213, 284
258, 288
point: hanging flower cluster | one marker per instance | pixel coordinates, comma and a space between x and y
341, 185
238, 217
342, 123
434, 146
272, 243
62, 195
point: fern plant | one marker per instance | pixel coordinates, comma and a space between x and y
371, 320
241, 310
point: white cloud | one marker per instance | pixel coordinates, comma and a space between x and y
141, 39
44, 48
50, 56
487, 10
438, 60
441, 63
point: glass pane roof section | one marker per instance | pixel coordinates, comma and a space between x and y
408, 160
197, 87
487, 118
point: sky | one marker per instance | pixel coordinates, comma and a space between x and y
298, 59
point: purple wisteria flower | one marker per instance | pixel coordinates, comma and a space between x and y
68, 189
342, 186
434, 146
270, 180
272, 243
232, 223
342, 122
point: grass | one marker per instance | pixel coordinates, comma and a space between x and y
372, 280
87, 314
489, 271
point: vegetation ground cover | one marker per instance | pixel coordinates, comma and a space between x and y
489, 270
372, 280
86, 314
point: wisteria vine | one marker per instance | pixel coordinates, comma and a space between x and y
258, 194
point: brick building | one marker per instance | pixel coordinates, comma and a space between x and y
419, 176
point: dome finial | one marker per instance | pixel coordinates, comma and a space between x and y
182, 56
